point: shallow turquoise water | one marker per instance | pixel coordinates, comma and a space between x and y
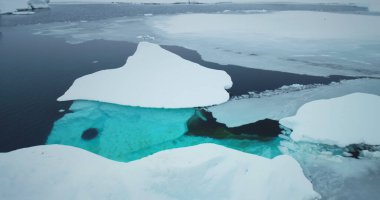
128, 133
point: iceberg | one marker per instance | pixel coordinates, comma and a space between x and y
116, 131
204, 171
341, 121
278, 104
153, 77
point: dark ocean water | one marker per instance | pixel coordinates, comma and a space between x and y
35, 70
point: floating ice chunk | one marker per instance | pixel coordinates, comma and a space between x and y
153, 77
115, 131
204, 171
350, 119
284, 103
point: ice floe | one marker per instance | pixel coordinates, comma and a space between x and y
350, 119
278, 104
153, 77
12, 6
204, 171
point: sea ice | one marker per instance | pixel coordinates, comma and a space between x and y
204, 171
350, 119
303, 42
153, 77
278, 104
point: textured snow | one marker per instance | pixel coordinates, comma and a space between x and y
350, 119
275, 105
199, 172
153, 77
10, 6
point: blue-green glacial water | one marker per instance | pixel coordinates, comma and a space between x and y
127, 133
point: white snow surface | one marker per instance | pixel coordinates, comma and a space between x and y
286, 103
153, 77
10, 6
341, 121
206, 171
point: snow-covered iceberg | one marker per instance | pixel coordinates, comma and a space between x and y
118, 132
10, 6
285, 102
350, 119
199, 172
153, 77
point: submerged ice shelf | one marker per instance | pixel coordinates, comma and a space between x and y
127, 133
114, 131
153, 77
278, 104
204, 171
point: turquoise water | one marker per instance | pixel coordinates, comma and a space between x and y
128, 133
